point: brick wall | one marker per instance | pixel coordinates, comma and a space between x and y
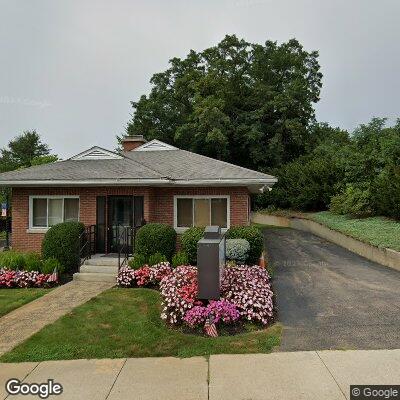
158, 206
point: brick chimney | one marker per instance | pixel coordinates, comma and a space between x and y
132, 142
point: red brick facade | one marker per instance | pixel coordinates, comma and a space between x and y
158, 206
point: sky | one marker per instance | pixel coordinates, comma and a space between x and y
70, 69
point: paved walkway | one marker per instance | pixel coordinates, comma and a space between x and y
18, 325
291, 376
330, 298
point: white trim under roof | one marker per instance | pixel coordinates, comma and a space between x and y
97, 153
155, 145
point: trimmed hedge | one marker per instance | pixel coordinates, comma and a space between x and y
253, 235
189, 241
156, 238
61, 242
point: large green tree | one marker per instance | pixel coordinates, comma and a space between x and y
24, 151
245, 103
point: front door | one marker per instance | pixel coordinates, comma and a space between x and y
123, 211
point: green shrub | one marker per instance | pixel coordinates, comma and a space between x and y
61, 242
189, 241
156, 258
33, 262
156, 238
180, 258
386, 192
49, 264
12, 260
237, 250
253, 235
355, 201
137, 261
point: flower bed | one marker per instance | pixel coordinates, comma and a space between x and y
246, 294
23, 279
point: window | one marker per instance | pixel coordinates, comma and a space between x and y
201, 211
48, 211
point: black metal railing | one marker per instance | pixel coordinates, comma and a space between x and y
87, 241
126, 243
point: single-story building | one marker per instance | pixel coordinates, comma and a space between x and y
148, 181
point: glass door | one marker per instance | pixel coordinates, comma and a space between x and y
120, 215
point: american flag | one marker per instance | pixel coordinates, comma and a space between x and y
53, 277
209, 328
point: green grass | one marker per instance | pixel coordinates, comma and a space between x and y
126, 323
378, 231
10, 299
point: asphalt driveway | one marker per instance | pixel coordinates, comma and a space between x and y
330, 298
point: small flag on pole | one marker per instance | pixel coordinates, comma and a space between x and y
53, 277
209, 328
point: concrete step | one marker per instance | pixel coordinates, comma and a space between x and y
102, 261
102, 269
98, 277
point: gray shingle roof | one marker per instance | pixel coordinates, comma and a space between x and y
152, 167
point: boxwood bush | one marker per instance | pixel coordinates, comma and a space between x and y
156, 238
189, 241
61, 242
253, 235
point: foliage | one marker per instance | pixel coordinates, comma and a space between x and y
378, 231
12, 260
125, 323
179, 292
237, 250
61, 242
241, 102
33, 262
137, 261
50, 264
355, 173
22, 279
23, 151
248, 288
180, 258
156, 238
157, 258
144, 276
189, 241
253, 235
354, 200
221, 311
386, 192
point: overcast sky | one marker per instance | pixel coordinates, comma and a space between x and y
69, 68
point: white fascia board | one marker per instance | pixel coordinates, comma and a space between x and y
141, 182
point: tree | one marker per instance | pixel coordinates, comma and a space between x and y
24, 151
249, 104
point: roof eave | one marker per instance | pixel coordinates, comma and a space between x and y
140, 182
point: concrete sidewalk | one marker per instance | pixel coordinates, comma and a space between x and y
280, 376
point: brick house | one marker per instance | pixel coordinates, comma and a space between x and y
150, 181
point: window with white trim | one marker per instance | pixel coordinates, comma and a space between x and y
201, 211
46, 211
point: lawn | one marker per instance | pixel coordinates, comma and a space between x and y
378, 231
126, 323
10, 299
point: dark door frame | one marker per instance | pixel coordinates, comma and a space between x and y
104, 216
